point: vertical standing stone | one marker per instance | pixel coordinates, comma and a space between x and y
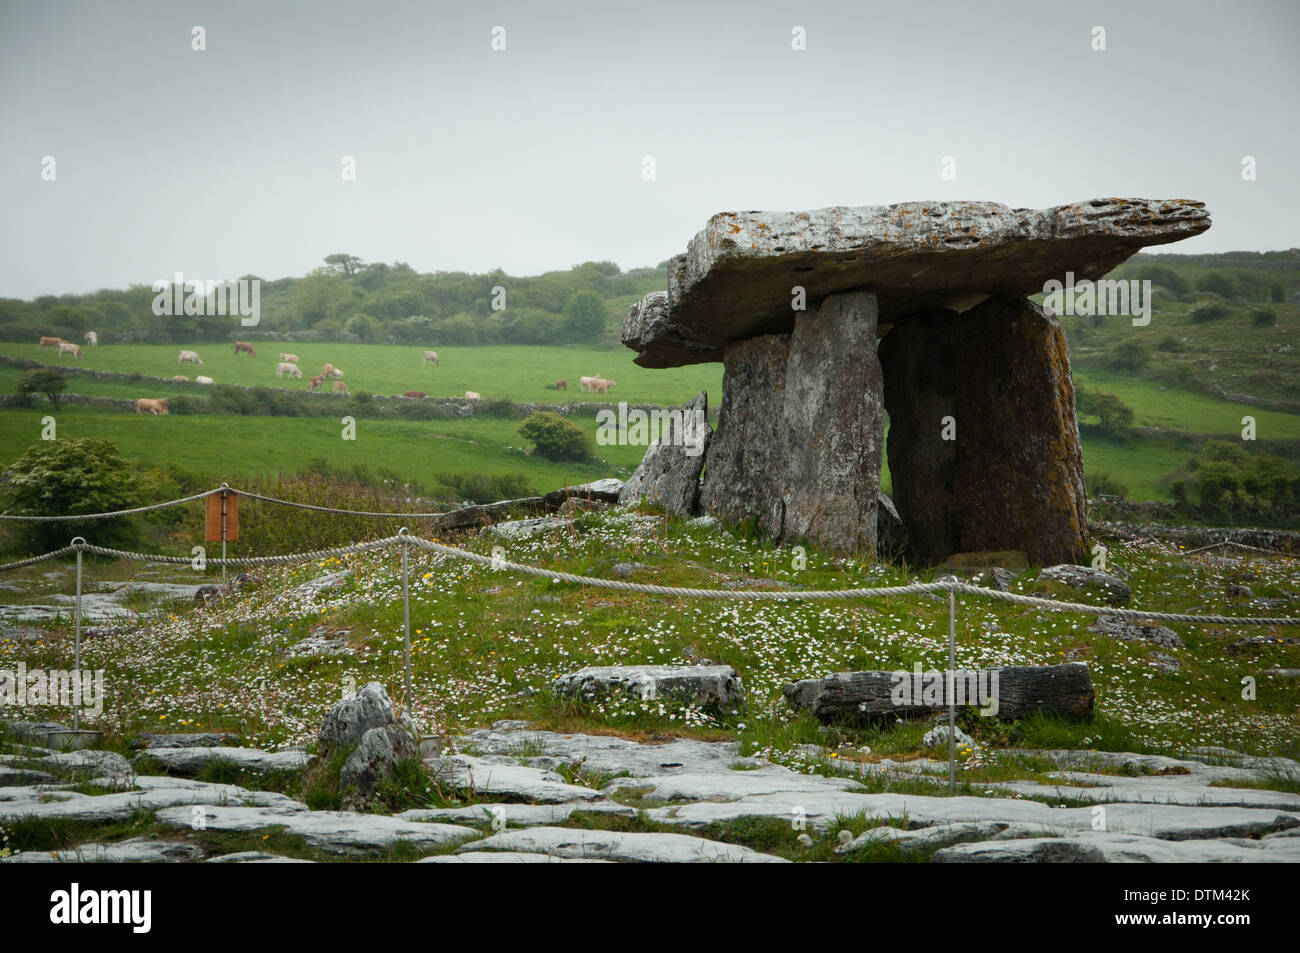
800, 435
1013, 477
669, 474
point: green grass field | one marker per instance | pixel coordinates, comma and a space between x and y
231, 447
514, 373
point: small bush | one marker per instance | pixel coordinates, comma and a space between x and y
1204, 311
1130, 354
556, 438
1263, 318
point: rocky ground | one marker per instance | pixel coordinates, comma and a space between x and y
514, 794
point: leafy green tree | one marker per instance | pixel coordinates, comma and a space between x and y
346, 265
68, 477
1218, 283
584, 318
556, 438
43, 380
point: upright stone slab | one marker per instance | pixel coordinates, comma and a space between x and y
669, 473
1013, 477
800, 437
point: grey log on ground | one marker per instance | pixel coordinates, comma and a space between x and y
861, 698
709, 686
984, 443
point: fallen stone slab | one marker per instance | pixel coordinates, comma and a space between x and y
497, 778
728, 785
523, 529
517, 815
90, 763
619, 846
736, 277
1169, 789
256, 857
507, 857
206, 739
1114, 590
708, 686
190, 761
137, 850
669, 473
340, 832
607, 754
21, 777
607, 490
123, 805
1170, 822
309, 590
1096, 847
910, 841
866, 697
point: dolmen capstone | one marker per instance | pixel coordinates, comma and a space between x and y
828, 321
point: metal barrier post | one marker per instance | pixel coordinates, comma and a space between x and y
225, 590
406, 614
76, 639
952, 678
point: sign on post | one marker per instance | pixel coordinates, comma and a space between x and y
225, 504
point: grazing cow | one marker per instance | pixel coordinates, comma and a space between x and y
191, 356
156, 407
92, 339
429, 357
288, 370
472, 395
289, 358
179, 377
584, 383
338, 374
245, 347
414, 393
204, 380
315, 382
340, 387
327, 370
602, 386
73, 349
561, 385
49, 342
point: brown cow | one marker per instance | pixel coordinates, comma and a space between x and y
340, 387
561, 385
156, 407
246, 347
327, 371
315, 383
415, 393
50, 342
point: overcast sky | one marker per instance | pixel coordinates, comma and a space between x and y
228, 161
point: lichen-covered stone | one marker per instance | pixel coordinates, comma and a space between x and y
736, 279
997, 380
669, 473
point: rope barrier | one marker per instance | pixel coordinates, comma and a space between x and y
405, 539
79, 517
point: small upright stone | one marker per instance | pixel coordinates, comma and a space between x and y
669, 473
349, 719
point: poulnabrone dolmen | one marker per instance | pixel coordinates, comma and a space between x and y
975, 378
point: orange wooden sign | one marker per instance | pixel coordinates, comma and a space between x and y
231, 503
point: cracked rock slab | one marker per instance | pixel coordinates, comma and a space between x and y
137, 850
340, 832
1095, 847
618, 846
121, 806
517, 815
735, 279
731, 785
190, 761
607, 754
497, 778
507, 857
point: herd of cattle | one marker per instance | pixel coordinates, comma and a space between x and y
288, 367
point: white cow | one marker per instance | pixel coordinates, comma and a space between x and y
73, 349
338, 374
472, 395
429, 357
92, 339
289, 358
191, 357
288, 370
584, 383
204, 380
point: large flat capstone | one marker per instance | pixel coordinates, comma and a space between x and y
738, 275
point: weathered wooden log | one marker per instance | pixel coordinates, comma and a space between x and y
1008, 693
